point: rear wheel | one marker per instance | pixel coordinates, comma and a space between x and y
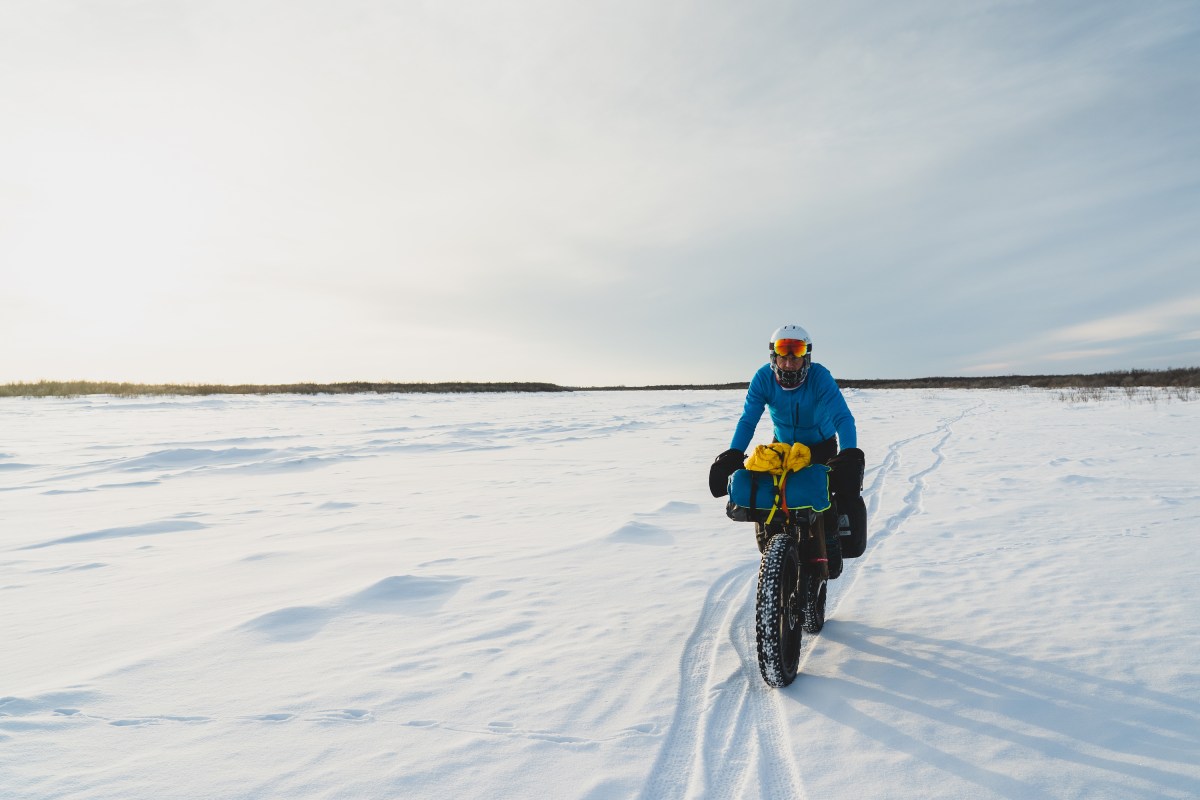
815, 590
779, 612
833, 548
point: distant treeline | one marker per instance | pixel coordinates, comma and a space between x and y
1171, 377
1187, 377
79, 388
1123, 378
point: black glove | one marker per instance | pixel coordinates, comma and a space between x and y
848, 466
722, 467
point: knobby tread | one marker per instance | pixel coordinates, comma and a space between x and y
778, 643
815, 588
833, 550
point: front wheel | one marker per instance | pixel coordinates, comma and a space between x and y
779, 612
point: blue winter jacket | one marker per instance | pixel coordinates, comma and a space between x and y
809, 414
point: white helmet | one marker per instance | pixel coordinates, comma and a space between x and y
792, 336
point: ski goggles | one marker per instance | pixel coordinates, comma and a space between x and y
790, 347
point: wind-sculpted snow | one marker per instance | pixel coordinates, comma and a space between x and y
148, 529
518, 596
398, 594
641, 533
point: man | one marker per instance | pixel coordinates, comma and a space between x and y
806, 406
805, 402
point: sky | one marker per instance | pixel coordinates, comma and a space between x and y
595, 193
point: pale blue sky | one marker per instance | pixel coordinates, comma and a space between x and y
595, 193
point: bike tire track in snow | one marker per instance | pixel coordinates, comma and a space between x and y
911, 504
726, 723
724, 728
778, 772
673, 769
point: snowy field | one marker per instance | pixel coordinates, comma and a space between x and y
534, 596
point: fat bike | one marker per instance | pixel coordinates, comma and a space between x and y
802, 550
798, 561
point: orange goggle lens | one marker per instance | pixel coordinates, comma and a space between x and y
795, 347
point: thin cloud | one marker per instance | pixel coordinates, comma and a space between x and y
1154, 319
290, 190
1075, 355
1140, 336
994, 367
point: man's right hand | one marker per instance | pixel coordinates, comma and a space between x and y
722, 467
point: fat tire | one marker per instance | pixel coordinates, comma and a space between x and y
855, 544
778, 616
815, 591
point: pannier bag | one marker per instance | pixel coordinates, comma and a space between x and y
754, 496
847, 477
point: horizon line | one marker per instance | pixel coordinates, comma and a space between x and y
1168, 377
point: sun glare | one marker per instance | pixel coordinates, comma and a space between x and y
113, 229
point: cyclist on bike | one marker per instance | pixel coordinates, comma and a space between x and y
806, 406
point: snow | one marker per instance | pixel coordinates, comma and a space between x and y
510, 596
